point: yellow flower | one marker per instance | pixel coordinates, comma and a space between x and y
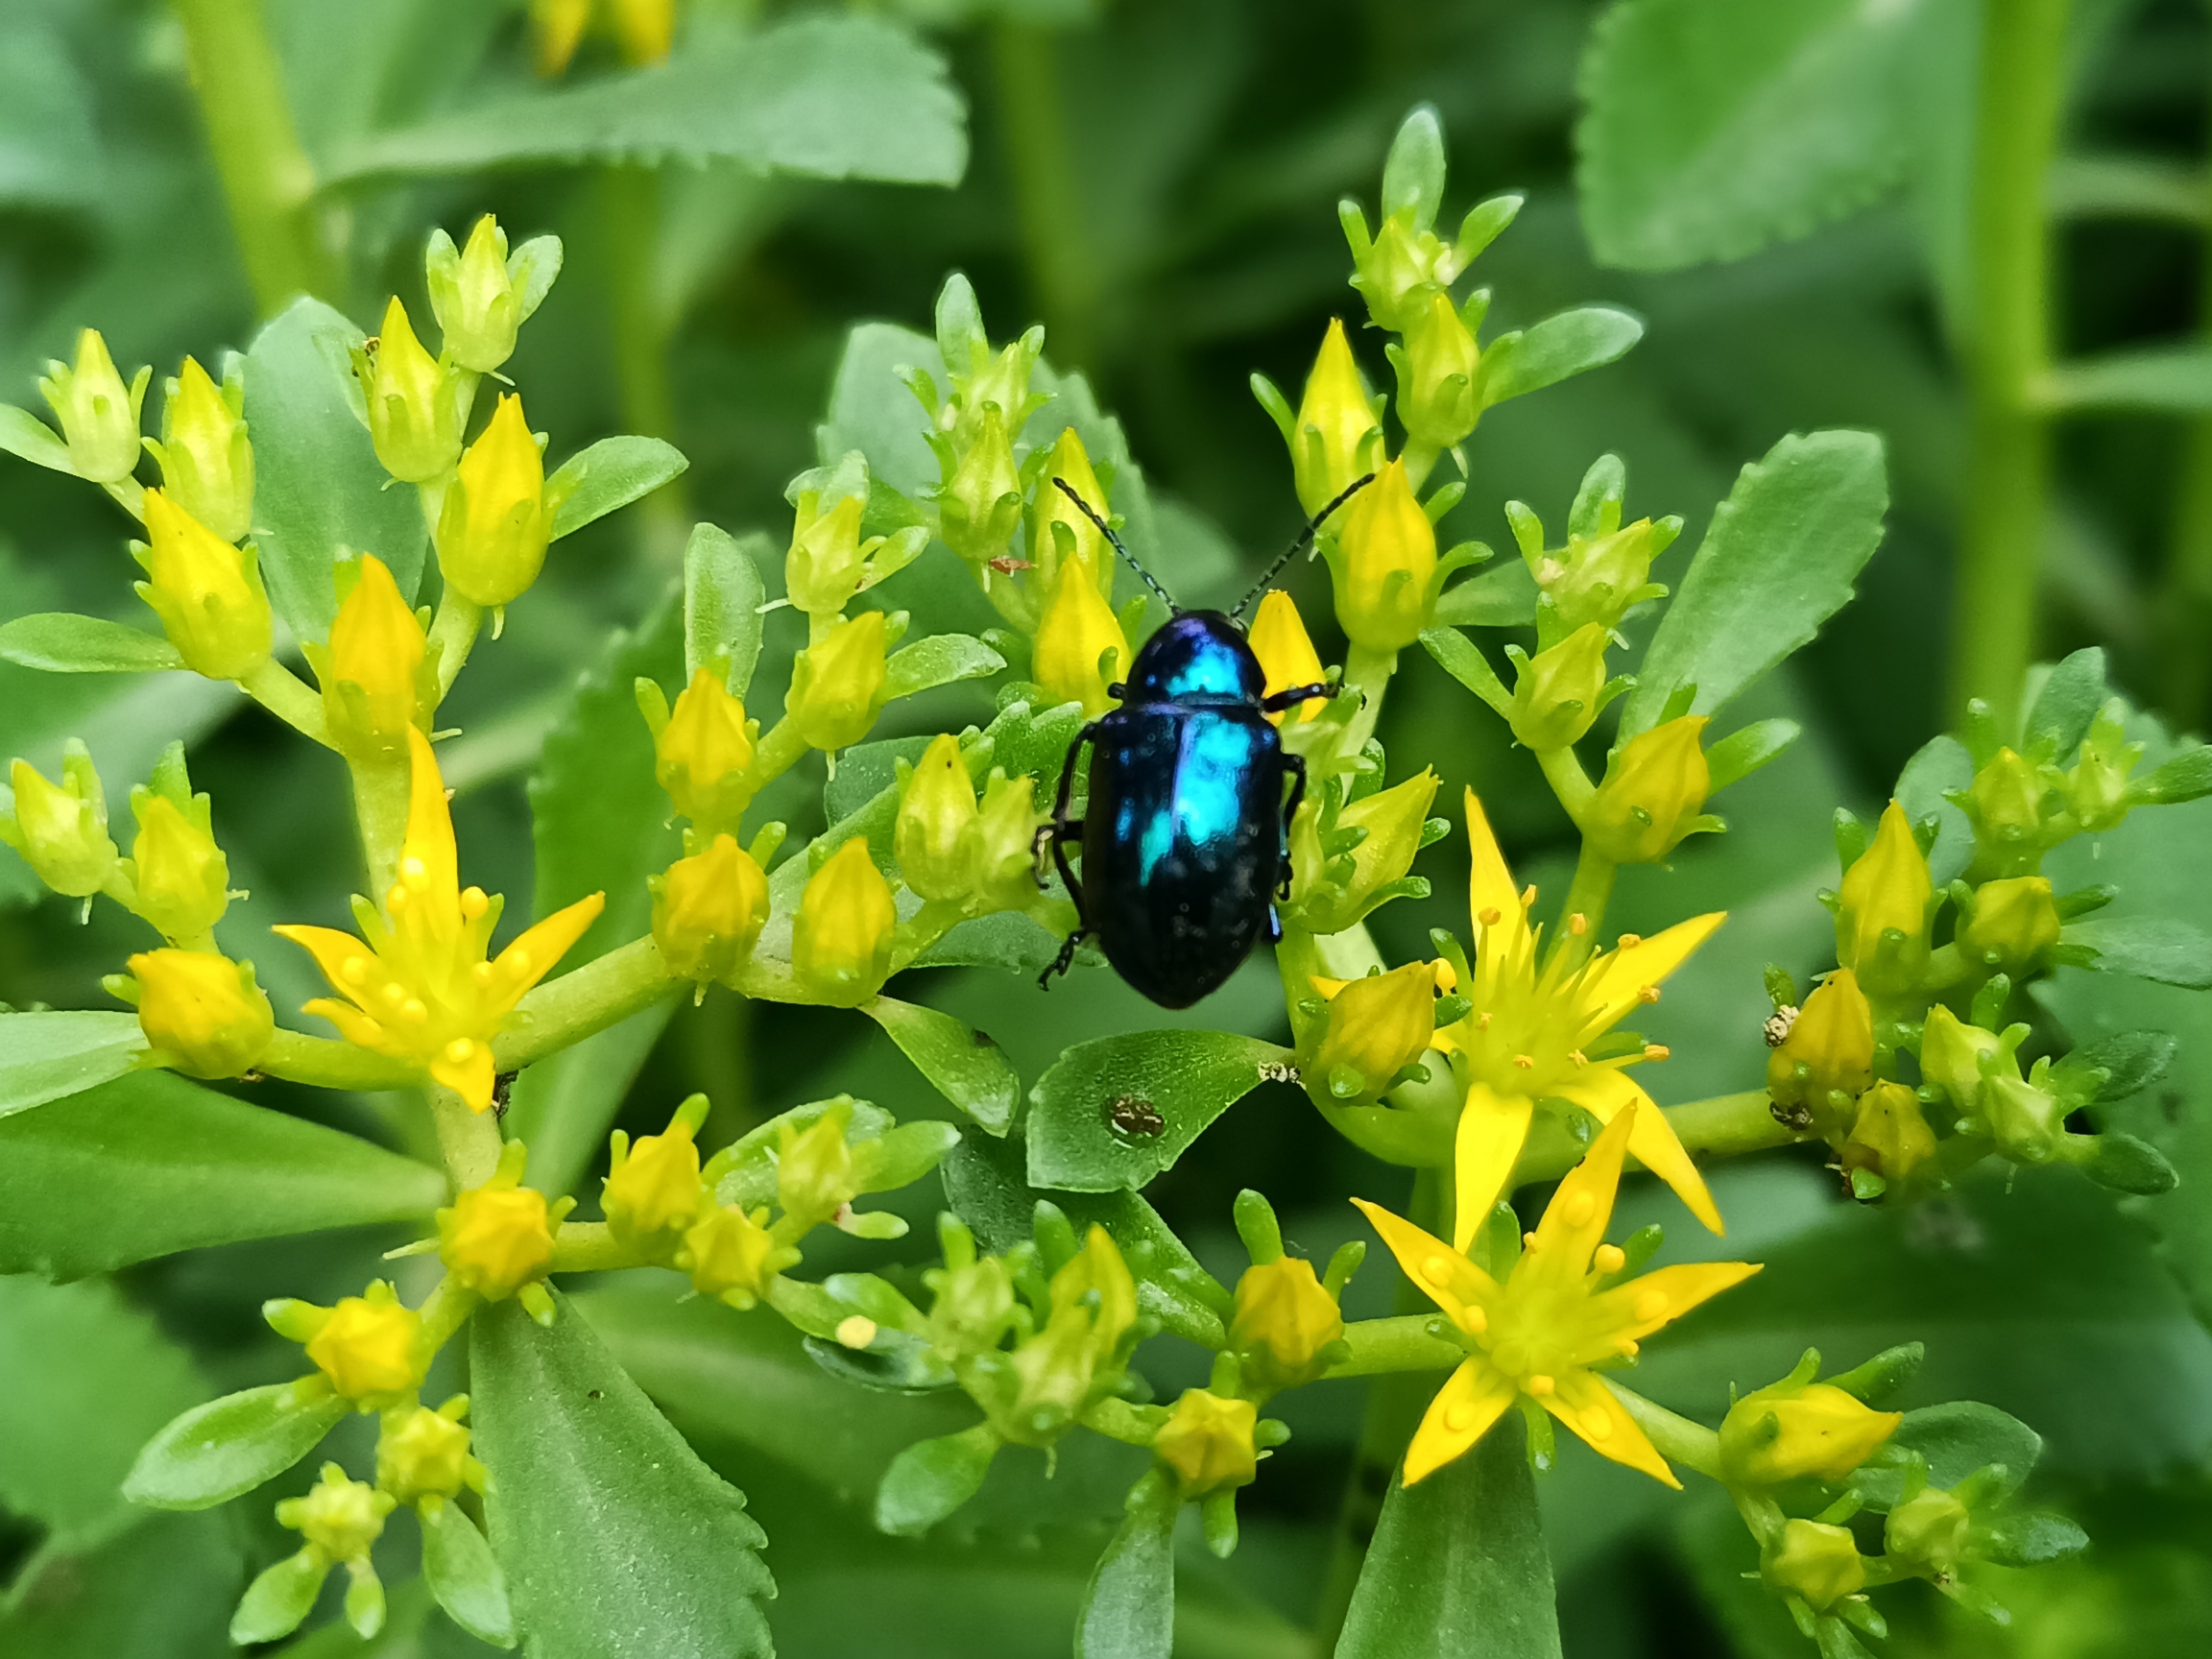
822, 570
99, 415
62, 828
1384, 561
1208, 1441
841, 938
733, 1255
180, 879
701, 753
207, 461
1535, 1017
374, 688
1653, 794
493, 525
708, 911
1882, 918
424, 1455
933, 838
1284, 1318
1436, 375
1556, 694
203, 1014
1889, 1136
837, 683
653, 1189
1286, 653
1058, 530
2097, 788
1815, 1561
1080, 648
414, 419
1335, 437
1828, 1055
2013, 925
498, 1238
369, 1346
416, 985
1376, 1028
338, 1516
1540, 1333
1799, 1430
207, 594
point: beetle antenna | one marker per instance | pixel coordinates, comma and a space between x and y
1305, 541
1130, 559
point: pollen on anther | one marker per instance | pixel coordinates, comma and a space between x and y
1527, 1239
1578, 924
1489, 916
473, 903
395, 901
1524, 1062
1609, 1259
1656, 1052
1482, 1020
855, 1331
1630, 941
481, 972
1529, 896
1473, 1320
1540, 1386
414, 1011
395, 995
1649, 994
1649, 1305
1598, 1423
1446, 978
1579, 1057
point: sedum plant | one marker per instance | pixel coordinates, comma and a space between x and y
376, 513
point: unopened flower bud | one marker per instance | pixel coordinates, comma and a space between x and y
425, 1454
494, 526
1882, 918
556, 26
368, 1346
1888, 1134
1003, 847
339, 1517
1335, 437
414, 418
814, 1176
1599, 578
1828, 1056
837, 683
2006, 802
1286, 653
652, 1190
643, 28
207, 463
1208, 1442
2097, 788
2024, 1119
62, 830
482, 295
1951, 1055
822, 570
203, 1014
1284, 1318
1375, 1028
207, 594
841, 938
1059, 532
1436, 375
375, 686
1800, 1430
1383, 562
708, 911
936, 823
1815, 1562
1556, 696
1080, 648
1653, 793
99, 415
178, 876
1928, 1529
700, 755
2012, 927
733, 1255
498, 1238
1331, 894
979, 505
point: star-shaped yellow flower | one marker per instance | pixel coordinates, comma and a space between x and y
420, 989
1540, 1333
1535, 1017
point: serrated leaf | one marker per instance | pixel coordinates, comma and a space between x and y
1778, 560
2161, 947
608, 476
1113, 1113
150, 1165
221, 1449
1554, 350
49, 1055
722, 598
964, 1065
617, 1542
1129, 1605
62, 642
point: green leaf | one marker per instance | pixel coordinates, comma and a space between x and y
62, 642
932, 1477
722, 597
2072, 694
824, 97
2132, 1060
1711, 128
609, 475
150, 1165
217, 1452
318, 491
84, 1378
1091, 1124
1458, 1566
1778, 560
164, 1590
617, 1542
2034, 1537
600, 824
462, 1574
1006, 940
2127, 1164
49, 152
46, 1056
1561, 346
1742, 753
1503, 597
1957, 1439
2173, 379
2161, 947
940, 659
1939, 769
1129, 1605
964, 1065
23, 434
1462, 658
278, 1599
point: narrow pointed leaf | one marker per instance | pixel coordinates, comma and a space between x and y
1561, 346
217, 1452
62, 642
24, 435
49, 1055
1129, 1606
964, 1065
940, 659
932, 1477
462, 1574
722, 597
609, 475
2161, 947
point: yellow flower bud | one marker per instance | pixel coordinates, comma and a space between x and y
180, 879
643, 28
1286, 653
1058, 530
425, 1454
1335, 437
841, 938
2097, 788
822, 570
479, 293
652, 1190
1003, 849
1080, 649
497, 1237
1888, 1134
1376, 1026
733, 1255
1329, 894
2006, 802
1828, 1056
1654, 790
1599, 578
339, 1517
1208, 1442
936, 826
1555, 697
1930, 1529
374, 671
62, 830
558, 27
1282, 1319
494, 524
837, 683
99, 415
1800, 1430
203, 1014
207, 463
814, 1175
1951, 1054
979, 506
1436, 375
369, 1346
2013, 925
701, 755
1384, 564
2022, 1120
1816, 1562
1883, 913
207, 594
414, 418
708, 911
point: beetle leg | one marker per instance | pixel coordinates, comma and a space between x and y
1295, 765
1292, 696
1057, 830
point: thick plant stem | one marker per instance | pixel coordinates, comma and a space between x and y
380, 802
563, 1012
1368, 672
1064, 271
1587, 897
285, 695
266, 176
453, 632
468, 1140
2006, 352
630, 199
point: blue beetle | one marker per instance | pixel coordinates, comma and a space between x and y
1185, 838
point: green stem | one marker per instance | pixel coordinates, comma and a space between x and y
1587, 897
1369, 673
453, 634
2007, 352
468, 1140
630, 211
1403, 1342
285, 695
330, 1064
380, 802
589, 1247
563, 1012
1678, 1438
1567, 781
444, 1311
1064, 270
266, 176
1119, 1420
1723, 1126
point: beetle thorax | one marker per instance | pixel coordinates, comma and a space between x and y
1200, 657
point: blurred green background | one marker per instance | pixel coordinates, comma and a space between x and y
1156, 181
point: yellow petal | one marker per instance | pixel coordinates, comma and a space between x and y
355, 1027
533, 955
333, 951
1641, 1306
429, 840
1586, 1406
1473, 1399
1445, 1277
470, 1076
1492, 1130
1617, 981
1574, 1223
1605, 1092
1491, 889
